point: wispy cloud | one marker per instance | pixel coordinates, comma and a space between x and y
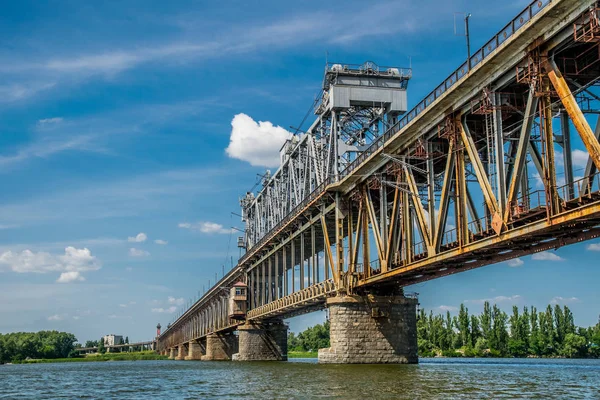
564, 300
515, 262
205, 227
546, 256
133, 252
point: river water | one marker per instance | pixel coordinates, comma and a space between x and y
304, 379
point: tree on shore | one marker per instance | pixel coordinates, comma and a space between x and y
101, 347
44, 344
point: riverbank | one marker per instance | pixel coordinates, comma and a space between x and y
132, 356
303, 354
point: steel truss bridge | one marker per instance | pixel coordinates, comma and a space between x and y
480, 171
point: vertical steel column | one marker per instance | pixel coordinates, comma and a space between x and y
285, 278
567, 156
315, 256
499, 153
548, 143
270, 280
460, 200
293, 266
302, 261
262, 284
277, 277
339, 238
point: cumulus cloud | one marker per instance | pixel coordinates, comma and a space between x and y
256, 142
56, 317
498, 299
564, 300
515, 262
169, 310
161, 242
139, 238
593, 247
205, 227
546, 256
71, 264
133, 252
71, 276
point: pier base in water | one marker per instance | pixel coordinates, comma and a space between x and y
265, 341
220, 346
371, 330
195, 350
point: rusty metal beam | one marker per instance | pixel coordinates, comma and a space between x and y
568, 100
419, 210
445, 198
521, 156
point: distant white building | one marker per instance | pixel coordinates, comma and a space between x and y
111, 340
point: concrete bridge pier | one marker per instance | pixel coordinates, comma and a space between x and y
182, 351
371, 329
195, 350
172, 353
265, 341
220, 346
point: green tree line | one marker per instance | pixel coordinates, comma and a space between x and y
311, 339
493, 333
527, 332
44, 344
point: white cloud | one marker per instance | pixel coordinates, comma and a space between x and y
580, 158
128, 269
515, 262
139, 238
546, 256
177, 302
71, 276
56, 317
123, 305
257, 143
133, 252
161, 242
564, 300
49, 121
593, 247
498, 299
169, 310
205, 227
71, 264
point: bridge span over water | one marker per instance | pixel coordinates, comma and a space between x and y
374, 197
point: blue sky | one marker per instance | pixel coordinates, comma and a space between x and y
115, 116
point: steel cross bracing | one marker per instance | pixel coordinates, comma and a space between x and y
480, 173
356, 105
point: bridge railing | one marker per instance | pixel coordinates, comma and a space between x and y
313, 292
